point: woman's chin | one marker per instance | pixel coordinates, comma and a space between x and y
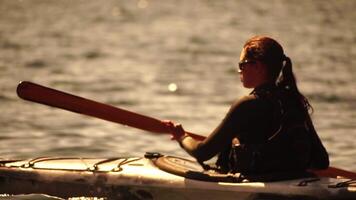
246, 85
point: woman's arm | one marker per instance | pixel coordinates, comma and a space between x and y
234, 123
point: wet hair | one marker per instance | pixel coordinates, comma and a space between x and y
279, 66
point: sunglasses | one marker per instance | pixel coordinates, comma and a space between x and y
244, 63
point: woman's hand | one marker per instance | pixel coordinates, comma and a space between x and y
176, 130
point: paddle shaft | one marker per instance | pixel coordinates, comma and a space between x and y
55, 98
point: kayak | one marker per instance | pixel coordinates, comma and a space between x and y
157, 176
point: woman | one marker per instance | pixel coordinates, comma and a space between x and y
269, 130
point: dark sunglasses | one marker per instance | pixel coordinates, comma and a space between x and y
244, 63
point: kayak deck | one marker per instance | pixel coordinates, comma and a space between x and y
145, 178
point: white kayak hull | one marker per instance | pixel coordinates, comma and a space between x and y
140, 178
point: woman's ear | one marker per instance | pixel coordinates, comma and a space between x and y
262, 69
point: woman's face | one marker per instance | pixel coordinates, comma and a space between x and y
252, 72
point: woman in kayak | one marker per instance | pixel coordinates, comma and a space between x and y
269, 130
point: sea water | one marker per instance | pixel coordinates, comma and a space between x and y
166, 59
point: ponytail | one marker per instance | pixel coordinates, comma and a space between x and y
287, 78
288, 82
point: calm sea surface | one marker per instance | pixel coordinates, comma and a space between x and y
169, 60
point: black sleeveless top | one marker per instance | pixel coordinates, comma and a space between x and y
275, 134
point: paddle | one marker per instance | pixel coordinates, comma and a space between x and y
55, 98
334, 172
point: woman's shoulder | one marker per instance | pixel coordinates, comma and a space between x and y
251, 105
247, 102
244, 99
250, 99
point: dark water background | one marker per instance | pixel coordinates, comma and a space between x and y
127, 53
